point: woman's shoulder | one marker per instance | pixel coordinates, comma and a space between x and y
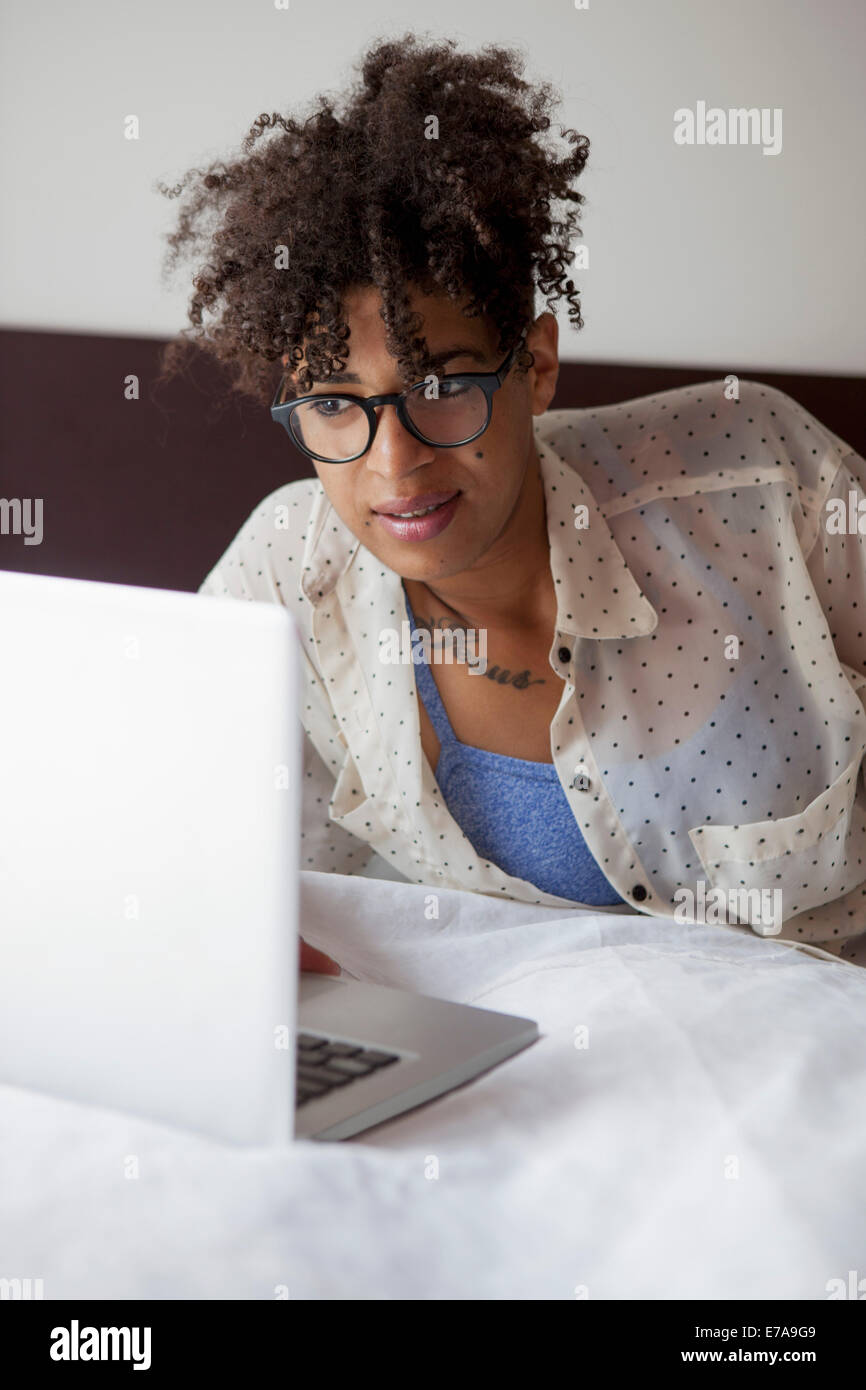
264, 561
730, 430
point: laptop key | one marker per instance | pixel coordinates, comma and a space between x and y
378, 1059
352, 1066
341, 1049
309, 1041
308, 1092
337, 1078
312, 1078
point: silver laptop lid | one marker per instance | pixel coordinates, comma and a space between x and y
149, 782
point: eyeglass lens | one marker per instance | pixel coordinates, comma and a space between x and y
338, 430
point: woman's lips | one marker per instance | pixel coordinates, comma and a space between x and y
418, 528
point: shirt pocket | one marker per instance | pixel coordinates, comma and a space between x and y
814, 857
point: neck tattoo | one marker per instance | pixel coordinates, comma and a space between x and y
518, 680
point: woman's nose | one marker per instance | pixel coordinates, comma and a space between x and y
394, 450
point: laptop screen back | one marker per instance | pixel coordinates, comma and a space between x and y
149, 776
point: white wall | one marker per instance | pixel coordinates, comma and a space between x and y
698, 255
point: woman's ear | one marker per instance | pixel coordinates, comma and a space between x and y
543, 341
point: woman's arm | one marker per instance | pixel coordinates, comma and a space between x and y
837, 566
325, 847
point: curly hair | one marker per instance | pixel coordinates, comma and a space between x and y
429, 173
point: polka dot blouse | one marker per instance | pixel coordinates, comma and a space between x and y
708, 548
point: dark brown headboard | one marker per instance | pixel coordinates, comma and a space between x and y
151, 491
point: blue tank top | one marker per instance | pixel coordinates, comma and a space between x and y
513, 812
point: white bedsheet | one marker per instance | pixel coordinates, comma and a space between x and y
708, 1142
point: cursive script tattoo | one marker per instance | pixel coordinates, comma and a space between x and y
443, 624
520, 680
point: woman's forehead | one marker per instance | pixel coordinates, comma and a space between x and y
443, 325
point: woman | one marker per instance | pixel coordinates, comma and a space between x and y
669, 710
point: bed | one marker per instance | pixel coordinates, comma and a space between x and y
690, 1124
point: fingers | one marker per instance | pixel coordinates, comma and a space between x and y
311, 959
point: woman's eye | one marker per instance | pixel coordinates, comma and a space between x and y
452, 389
329, 408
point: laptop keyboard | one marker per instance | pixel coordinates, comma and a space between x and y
324, 1063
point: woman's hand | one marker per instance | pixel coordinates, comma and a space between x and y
311, 959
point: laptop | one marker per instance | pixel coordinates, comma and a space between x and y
150, 767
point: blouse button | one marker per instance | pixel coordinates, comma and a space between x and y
564, 655
581, 780
638, 892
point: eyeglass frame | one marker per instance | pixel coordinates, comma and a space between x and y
490, 382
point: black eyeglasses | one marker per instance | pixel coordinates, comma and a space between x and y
444, 411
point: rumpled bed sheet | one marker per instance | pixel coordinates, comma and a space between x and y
691, 1123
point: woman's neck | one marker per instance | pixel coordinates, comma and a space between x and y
511, 585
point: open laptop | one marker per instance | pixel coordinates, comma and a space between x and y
150, 764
